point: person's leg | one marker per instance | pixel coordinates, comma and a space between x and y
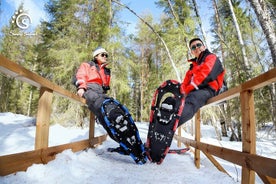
193, 101
94, 101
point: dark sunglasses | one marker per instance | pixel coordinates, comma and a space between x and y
198, 45
104, 55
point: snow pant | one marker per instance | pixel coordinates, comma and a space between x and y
95, 97
193, 101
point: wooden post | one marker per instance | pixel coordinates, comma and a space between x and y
248, 132
43, 118
91, 126
197, 138
178, 141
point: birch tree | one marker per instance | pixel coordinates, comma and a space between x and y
200, 24
157, 34
245, 60
267, 25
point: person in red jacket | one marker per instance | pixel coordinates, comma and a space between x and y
202, 81
93, 80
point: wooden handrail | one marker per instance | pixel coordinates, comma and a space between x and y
261, 165
250, 162
20, 73
253, 84
42, 153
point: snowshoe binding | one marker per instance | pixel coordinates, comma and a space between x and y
118, 119
164, 118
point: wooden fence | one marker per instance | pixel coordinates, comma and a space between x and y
42, 153
247, 158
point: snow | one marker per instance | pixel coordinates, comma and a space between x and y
96, 165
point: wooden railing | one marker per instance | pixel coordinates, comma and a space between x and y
247, 158
42, 153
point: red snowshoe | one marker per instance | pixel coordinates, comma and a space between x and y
166, 109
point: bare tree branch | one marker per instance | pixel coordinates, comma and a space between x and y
156, 33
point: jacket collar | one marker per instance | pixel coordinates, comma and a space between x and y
201, 57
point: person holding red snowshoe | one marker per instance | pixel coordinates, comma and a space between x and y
202, 81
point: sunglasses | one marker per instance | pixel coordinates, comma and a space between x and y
198, 45
104, 55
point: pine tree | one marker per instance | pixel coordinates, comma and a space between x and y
19, 48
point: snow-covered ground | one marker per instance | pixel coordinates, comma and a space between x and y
17, 134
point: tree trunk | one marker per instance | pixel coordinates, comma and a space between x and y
245, 60
30, 103
273, 103
267, 25
158, 35
201, 26
223, 129
216, 128
225, 115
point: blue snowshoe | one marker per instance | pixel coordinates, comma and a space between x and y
118, 119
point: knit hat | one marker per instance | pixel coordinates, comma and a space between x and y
99, 50
195, 39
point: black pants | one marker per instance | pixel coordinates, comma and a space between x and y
95, 96
193, 101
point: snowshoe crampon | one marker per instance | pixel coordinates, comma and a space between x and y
166, 109
123, 128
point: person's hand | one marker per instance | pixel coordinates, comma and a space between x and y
80, 92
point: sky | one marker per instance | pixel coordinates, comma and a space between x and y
99, 166
35, 9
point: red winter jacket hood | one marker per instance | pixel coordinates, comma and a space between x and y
205, 71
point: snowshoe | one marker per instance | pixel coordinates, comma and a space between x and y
118, 119
164, 118
179, 151
119, 150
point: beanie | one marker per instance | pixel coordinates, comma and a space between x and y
99, 50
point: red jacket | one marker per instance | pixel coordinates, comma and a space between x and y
92, 73
206, 71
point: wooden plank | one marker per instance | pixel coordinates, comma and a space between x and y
67, 94
197, 138
179, 133
43, 118
215, 162
259, 164
18, 162
92, 126
258, 82
21, 161
248, 132
267, 179
227, 95
20, 73
97, 140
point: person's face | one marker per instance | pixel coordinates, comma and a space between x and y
102, 58
197, 47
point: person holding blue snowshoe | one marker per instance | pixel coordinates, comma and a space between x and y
93, 81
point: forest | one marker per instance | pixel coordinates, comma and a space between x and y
242, 33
